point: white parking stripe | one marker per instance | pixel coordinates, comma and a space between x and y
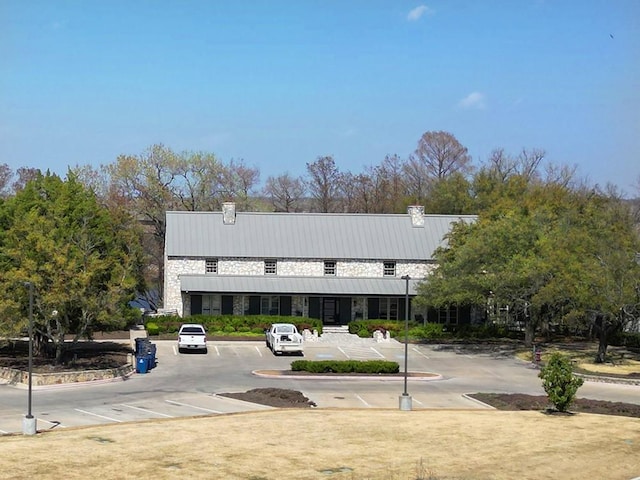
377, 352
175, 352
192, 406
345, 353
55, 424
419, 352
216, 349
146, 410
2, 431
418, 401
362, 400
258, 350
99, 416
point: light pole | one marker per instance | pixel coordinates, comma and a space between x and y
405, 398
29, 421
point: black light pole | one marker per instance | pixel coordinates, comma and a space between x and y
29, 424
405, 399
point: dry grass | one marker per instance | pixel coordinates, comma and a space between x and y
619, 360
337, 444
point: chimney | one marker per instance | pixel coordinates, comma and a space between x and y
417, 215
229, 213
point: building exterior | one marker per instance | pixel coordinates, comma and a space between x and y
335, 267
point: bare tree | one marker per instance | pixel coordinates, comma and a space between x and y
5, 178
285, 193
324, 184
25, 175
441, 155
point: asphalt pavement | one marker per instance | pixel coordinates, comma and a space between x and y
184, 385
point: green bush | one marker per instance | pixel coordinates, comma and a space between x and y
429, 331
559, 382
365, 328
230, 324
345, 366
152, 328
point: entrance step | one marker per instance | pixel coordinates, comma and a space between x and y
335, 329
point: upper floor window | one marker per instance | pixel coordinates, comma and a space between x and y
211, 265
389, 269
329, 267
270, 267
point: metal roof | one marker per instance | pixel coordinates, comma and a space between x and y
306, 235
277, 285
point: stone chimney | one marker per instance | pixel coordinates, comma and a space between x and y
229, 213
416, 212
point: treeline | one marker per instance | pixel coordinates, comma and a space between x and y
519, 195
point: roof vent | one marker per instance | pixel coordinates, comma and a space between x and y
229, 213
417, 215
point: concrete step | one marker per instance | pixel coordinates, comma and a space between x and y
335, 329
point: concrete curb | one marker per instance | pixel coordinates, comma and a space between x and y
420, 376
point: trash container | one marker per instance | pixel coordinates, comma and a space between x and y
152, 355
141, 346
142, 364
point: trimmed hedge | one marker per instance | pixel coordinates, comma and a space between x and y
345, 366
230, 325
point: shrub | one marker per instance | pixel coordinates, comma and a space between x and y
152, 328
345, 366
559, 382
429, 331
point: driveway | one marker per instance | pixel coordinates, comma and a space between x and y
187, 384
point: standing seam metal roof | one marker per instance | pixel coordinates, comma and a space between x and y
307, 235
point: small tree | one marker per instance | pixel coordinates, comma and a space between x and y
559, 382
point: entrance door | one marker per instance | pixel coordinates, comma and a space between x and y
329, 310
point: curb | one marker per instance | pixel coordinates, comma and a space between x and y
421, 376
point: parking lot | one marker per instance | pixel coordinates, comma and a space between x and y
184, 385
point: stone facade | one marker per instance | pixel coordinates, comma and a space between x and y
174, 267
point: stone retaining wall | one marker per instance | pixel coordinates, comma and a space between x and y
15, 377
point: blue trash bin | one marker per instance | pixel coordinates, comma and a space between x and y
142, 364
152, 356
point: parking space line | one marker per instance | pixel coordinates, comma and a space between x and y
258, 350
362, 400
175, 352
418, 401
377, 352
192, 406
99, 416
3, 432
420, 353
146, 410
344, 353
216, 349
55, 424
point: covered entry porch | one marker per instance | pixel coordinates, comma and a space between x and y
335, 301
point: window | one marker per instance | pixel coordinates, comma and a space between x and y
389, 269
270, 267
211, 265
388, 309
211, 304
329, 267
270, 305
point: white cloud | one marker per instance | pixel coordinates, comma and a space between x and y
418, 12
473, 100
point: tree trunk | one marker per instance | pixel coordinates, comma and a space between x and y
529, 333
602, 331
601, 356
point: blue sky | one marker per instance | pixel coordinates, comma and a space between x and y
279, 83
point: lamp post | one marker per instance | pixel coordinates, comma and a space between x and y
29, 421
405, 398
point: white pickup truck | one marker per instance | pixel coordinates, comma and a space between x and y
192, 336
284, 337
